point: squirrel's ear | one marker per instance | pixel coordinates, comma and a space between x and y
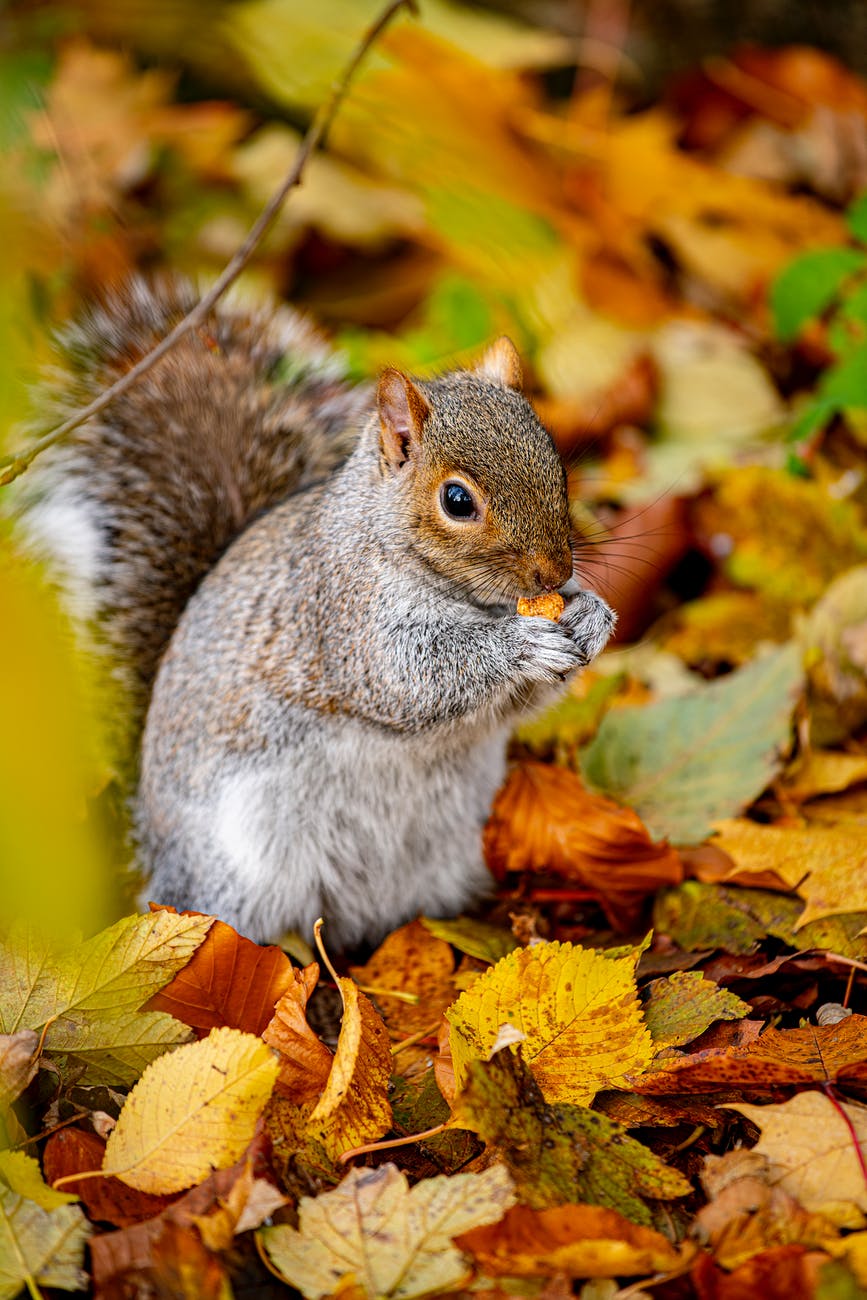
402, 413
501, 365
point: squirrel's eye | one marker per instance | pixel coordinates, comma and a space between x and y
456, 501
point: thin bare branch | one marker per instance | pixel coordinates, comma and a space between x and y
14, 465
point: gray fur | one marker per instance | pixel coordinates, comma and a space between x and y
328, 722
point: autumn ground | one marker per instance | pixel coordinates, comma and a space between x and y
645, 1063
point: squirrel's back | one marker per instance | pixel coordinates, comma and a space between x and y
142, 500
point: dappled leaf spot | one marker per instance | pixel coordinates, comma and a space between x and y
577, 1009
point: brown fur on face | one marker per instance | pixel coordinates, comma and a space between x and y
519, 542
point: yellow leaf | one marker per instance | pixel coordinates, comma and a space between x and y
22, 1175
192, 1111
812, 1154
577, 1009
383, 1238
354, 1106
825, 864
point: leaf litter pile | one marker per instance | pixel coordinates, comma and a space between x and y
642, 1067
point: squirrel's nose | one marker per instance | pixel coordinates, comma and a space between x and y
551, 573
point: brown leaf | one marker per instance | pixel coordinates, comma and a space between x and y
174, 1262
544, 819
19, 1059
229, 981
779, 1274
137, 1247
781, 1058
107, 1200
305, 1061
410, 961
579, 1240
748, 1213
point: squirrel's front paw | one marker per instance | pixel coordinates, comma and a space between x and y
589, 622
547, 650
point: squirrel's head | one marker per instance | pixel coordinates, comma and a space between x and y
478, 478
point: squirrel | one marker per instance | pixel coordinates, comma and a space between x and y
309, 586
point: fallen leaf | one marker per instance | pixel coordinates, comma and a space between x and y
749, 1212
354, 1107
228, 981
476, 938
543, 819
112, 973
780, 1058
784, 536
106, 1048
578, 1240
41, 1240
684, 763
810, 1143
416, 964
724, 628
560, 1153
822, 771
682, 1006
107, 1200
172, 1262
305, 1061
136, 1248
192, 1111
777, 1274
19, 1061
578, 1010
824, 864
386, 1238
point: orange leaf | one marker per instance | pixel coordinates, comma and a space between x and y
579, 1240
228, 981
777, 1274
354, 1106
781, 1058
73, 1151
305, 1061
543, 819
411, 960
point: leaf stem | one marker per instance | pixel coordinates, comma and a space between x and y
392, 1142
12, 466
831, 1094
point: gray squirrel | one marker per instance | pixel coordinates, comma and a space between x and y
309, 587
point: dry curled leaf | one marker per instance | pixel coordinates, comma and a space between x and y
544, 819
305, 1061
354, 1106
417, 965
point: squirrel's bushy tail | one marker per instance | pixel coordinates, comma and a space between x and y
141, 501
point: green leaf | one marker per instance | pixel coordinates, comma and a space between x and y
560, 1153
845, 384
684, 763
114, 972
685, 1004
40, 1247
856, 218
476, 938
571, 722
698, 916
808, 285
114, 1050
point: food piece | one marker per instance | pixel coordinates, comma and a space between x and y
549, 605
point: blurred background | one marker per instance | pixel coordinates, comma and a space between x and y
658, 201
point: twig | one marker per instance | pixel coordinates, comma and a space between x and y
14, 465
